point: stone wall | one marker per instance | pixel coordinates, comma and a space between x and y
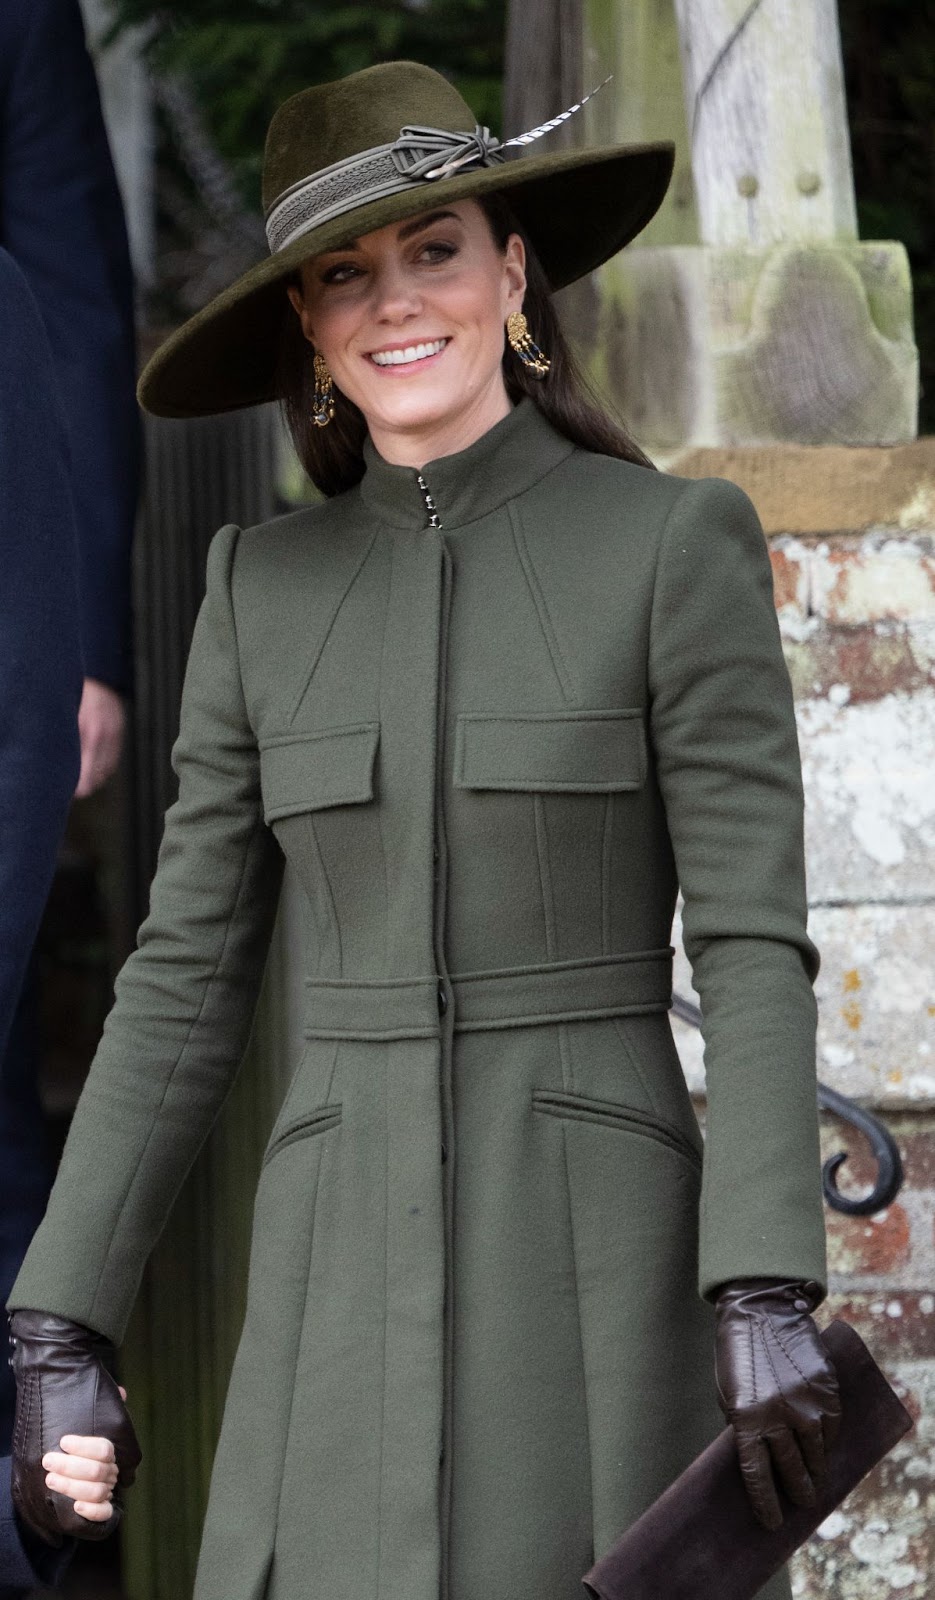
852, 540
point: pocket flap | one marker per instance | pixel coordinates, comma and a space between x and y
577, 751
307, 771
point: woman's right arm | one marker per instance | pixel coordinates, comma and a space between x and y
184, 1003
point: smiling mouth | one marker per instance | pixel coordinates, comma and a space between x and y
408, 356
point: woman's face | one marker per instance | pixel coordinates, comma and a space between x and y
410, 319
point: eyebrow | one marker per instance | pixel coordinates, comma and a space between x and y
406, 231
419, 223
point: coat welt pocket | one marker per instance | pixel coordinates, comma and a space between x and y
308, 771
580, 752
304, 1127
581, 1108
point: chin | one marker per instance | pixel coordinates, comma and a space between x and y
432, 409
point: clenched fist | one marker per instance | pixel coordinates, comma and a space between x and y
63, 1388
777, 1388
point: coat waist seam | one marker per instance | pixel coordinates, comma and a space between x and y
637, 983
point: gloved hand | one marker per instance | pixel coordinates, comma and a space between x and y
62, 1386
776, 1387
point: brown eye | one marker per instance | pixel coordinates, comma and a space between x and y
439, 251
341, 272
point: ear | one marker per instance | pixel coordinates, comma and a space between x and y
514, 274
298, 305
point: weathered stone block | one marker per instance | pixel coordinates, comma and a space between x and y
874, 1246
895, 1326
790, 560
701, 345
815, 490
873, 578
876, 1001
851, 666
870, 798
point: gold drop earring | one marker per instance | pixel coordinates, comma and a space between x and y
517, 331
323, 398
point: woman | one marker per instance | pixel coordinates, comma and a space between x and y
493, 699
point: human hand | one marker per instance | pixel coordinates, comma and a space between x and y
101, 723
777, 1388
85, 1469
63, 1390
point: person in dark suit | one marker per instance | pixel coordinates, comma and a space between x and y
61, 220
40, 690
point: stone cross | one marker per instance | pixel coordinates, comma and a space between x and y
748, 312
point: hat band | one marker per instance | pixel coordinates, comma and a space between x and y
419, 154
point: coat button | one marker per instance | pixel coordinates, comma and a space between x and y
442, 999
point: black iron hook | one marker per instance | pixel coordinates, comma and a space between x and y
889, 1179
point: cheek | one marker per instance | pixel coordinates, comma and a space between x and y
490, 323
476, 307
328, 324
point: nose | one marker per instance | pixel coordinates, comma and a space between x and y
396, 295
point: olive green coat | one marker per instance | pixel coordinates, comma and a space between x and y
475, 1346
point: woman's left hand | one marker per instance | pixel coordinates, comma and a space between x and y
777, 1388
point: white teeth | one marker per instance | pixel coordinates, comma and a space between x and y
412, 352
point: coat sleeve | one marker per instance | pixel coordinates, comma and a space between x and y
184, 1002
723, 728
62, 220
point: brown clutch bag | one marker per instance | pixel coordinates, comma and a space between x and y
700, 1539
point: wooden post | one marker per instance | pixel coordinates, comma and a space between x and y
767, 119
543, 64
638, 43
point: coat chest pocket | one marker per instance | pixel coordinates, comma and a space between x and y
572, 752
312, 771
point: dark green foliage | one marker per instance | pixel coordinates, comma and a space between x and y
243, 57
889, 65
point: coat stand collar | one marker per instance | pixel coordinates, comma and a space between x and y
505, 461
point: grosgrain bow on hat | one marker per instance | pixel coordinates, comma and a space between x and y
379, 146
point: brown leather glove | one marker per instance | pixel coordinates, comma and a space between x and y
777, 1388
62, 1386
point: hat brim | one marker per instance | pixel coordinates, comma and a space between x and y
578, 207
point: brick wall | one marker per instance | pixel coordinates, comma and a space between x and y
852, 541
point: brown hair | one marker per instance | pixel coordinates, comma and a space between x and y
333, 456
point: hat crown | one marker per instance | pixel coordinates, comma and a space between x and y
332, 121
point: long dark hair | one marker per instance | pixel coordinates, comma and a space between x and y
333, 456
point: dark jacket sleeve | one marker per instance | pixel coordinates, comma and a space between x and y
62, 220
723, 727
40, 658
184, 1003
25, 1562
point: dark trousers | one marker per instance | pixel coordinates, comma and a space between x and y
26, 1166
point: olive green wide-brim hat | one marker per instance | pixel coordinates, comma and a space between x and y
375, 148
